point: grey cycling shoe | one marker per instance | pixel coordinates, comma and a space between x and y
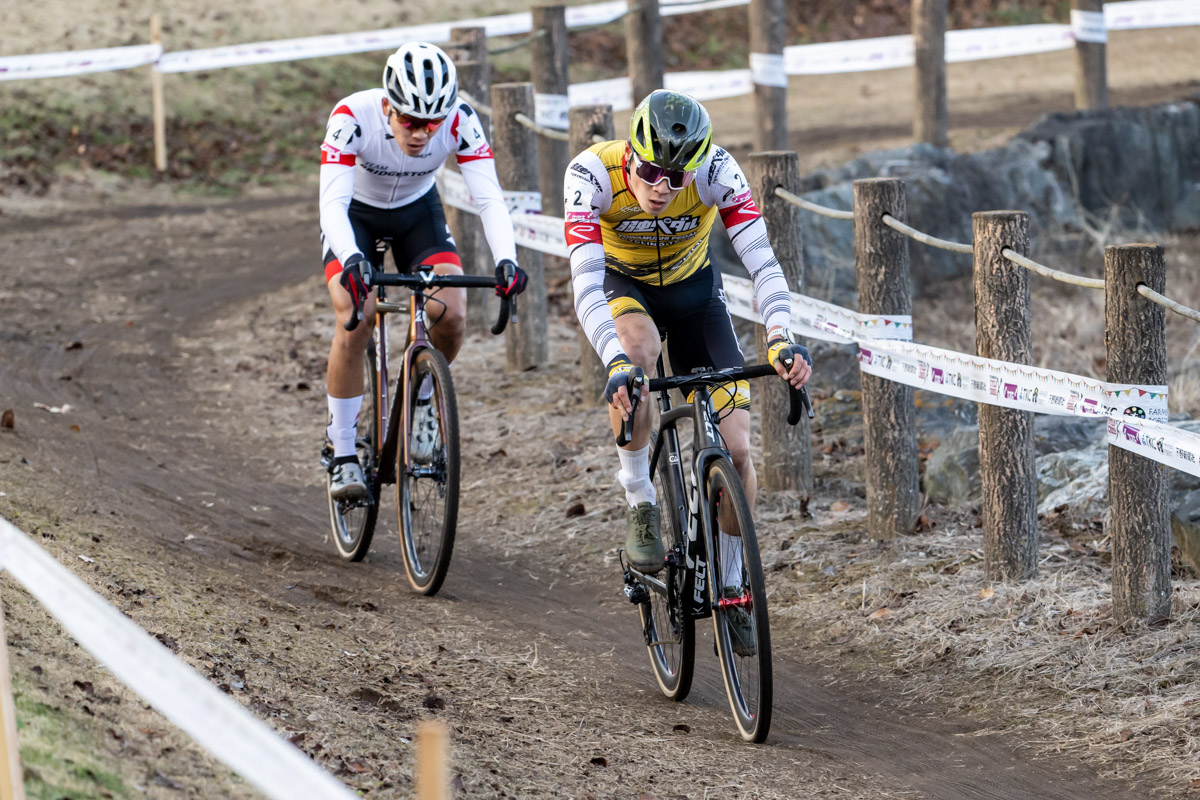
424, 432
346, 481
741, 625
643, 545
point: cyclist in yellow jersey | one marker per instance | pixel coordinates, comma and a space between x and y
638, 217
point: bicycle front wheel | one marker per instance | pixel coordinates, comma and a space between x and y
739, 604
427, 473
669, 630
353, 521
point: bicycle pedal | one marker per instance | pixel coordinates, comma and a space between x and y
637, 593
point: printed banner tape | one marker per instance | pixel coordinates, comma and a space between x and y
887, 52
552, 111
816, 319
1151, 14
1162, 443
1088, 26
453, 189
178, 692
767, 69
77, 62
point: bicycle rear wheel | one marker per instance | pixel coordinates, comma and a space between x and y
427, 491
739, 603
353, 521
670, 631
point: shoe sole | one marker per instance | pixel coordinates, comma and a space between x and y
349, 493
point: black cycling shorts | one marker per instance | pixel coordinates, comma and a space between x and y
691, 315
418, 231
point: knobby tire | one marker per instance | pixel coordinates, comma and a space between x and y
748, 678
427, 494
353, 522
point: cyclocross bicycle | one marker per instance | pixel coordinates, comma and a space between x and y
700, 578
427, 487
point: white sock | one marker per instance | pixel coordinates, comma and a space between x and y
634, 476
343, 424
731, 559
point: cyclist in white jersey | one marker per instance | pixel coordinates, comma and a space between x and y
381, 151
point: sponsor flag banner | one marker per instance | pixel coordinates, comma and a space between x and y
1151, 14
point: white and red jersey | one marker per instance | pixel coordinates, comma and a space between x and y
361, 161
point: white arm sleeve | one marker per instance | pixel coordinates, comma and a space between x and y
587, 194
338, 154
484, 187
478, 167
729, 191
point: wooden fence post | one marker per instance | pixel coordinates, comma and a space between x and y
1136, 345
588, 122
474, 78
549, 67
767, 34
156, 98
931, 118
889, 413
1091, 37
1008, 478
643, 48
787, 449
12, 780
432, 778
517, 166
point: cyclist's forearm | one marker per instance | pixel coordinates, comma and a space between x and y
591, 306
770, 286
484, 186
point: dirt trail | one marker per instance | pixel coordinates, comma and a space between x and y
183, 343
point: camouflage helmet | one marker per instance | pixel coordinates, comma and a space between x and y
671, 130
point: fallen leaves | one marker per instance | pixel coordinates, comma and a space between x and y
7, 420
987, 593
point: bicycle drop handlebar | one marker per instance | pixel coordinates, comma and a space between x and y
800, 403
429, 280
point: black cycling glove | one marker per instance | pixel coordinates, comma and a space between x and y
618, 376
507, 286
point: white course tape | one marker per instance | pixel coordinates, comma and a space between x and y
77, 62
212, 719
1088, 26
391, 38
815, 319
1162, 443
767, 69
618, 93
1151, 14
551, 111
1012, 40
542, 233
1000, 383
453, 190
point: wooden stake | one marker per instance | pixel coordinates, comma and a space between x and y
1003, 330
156, 94
433, 766
12, 786
1135, 338
889, 412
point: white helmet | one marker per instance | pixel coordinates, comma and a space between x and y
420, 81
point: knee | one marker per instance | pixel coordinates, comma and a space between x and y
739, 453
644, 355
351, 343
